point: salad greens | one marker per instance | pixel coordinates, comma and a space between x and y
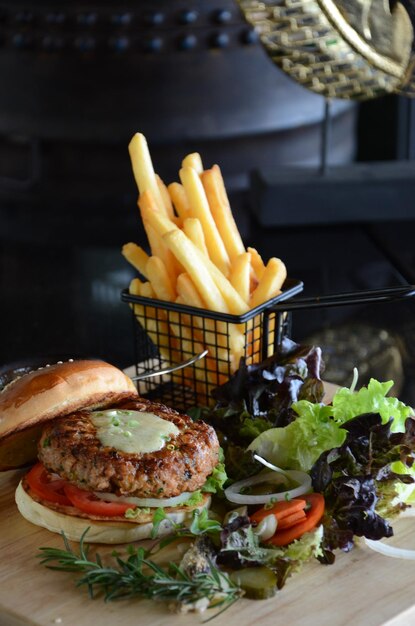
357, 479
299, 445
359, 449
259, 397
371, 399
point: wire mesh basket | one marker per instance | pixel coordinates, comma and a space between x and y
167, 333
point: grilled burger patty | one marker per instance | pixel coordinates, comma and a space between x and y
69, 447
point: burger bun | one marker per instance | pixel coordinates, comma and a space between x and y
53, 391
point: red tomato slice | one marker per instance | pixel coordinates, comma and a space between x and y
89, 503
46, 487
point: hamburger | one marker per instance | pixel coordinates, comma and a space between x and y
104, 458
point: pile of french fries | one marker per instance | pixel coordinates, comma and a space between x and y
197, 258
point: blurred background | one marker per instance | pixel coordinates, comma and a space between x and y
77, 80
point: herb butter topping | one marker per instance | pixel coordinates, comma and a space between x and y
132, 431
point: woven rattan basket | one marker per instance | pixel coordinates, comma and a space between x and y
350, 49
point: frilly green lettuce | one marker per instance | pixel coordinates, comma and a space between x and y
371, 399
299, 445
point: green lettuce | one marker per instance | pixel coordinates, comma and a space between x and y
303, 549
404, 492
371, 399
214, 483
299, 445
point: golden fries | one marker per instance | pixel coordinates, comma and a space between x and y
221, 211
193, 229
271, 282
165, 196
197, 259
199, 207
179, 199
143, 168
190, 258
136, 256
193, 160
241, 275
160, 280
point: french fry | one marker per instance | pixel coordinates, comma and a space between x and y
147, 291
188, 292
193, 229
154, 321
236, 305
271, 282
257, 263
221, 211
159, 249
200, 209
143, 170
241, 275
151, 214
189, 295
179, 199
148, 205
193, 160
148, 208
207, 279
193, 261
160, 279
165, 196
135, 287
136, 256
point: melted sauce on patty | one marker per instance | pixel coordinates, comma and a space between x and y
135, 432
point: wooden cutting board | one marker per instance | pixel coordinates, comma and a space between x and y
362, 588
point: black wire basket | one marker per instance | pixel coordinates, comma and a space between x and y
159, 328
167, 333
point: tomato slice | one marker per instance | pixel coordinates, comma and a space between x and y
46, 487
86, 501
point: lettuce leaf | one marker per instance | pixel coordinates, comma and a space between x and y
357, 479
404, 493
300, 444
214, 483
347, 404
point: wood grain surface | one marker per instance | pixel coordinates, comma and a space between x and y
362, 588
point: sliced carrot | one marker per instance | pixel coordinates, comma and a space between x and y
280, 509
290, 520
313, 516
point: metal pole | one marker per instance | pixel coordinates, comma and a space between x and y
325, 137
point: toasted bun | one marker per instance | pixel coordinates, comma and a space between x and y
121, 531
54, 391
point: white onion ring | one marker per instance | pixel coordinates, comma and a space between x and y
397, 553
145, 502
233, 492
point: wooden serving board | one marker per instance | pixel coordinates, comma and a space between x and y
362, 588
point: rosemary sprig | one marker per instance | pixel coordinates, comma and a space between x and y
139, 576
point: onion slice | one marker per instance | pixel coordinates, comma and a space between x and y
145, 502
397, 553
233, 493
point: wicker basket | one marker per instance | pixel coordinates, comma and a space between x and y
337, 48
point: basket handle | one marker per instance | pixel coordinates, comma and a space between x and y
388, 294
174, 368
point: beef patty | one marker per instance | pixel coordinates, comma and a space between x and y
69, 447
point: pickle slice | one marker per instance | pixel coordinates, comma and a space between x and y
258, 583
